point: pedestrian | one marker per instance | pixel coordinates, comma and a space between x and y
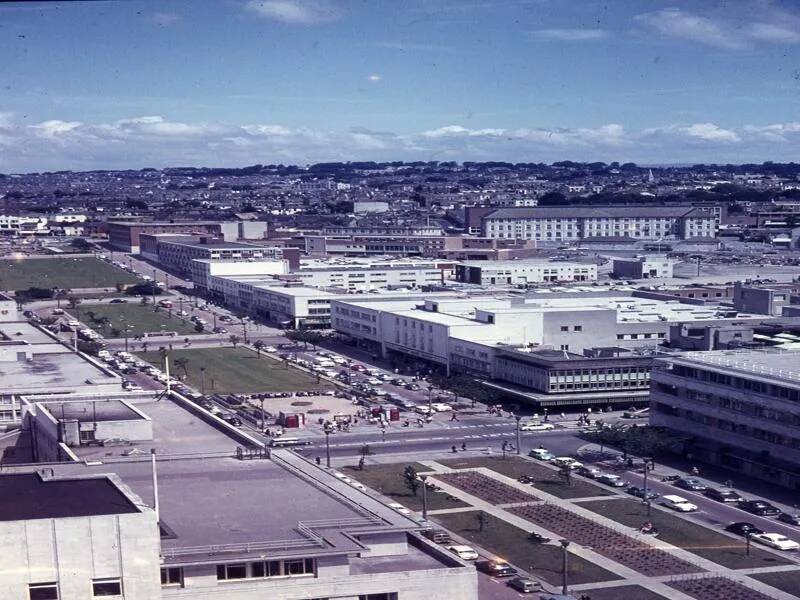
695, 471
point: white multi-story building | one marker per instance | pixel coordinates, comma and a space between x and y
573, 223
19, 224
737, 408
523, 272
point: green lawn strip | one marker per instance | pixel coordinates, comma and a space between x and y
512, 544
388, 480
140, 319
707, 543
786, 581
236, 371
628, 592
64, 273
545, 479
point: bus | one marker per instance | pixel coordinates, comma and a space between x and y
287, 442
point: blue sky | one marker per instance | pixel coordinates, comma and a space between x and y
231, 82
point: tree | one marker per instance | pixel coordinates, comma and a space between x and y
234, 339
482, 520
73, 302
566, 474
183, 363
364, 451
411, 478
199, 328
145, 344
147, 288
259, 346
59, 296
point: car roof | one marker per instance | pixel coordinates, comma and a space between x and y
461, 547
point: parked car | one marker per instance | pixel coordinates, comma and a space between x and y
743, 528
691, 485
541, 454
525, 585
612, 480
495, 568
760, 508
727, 496
439, 536
790, 518
589, 471
639, 492
463, 552
118, 301
533, 426
566, 461
677, 503
398, 507
776, 540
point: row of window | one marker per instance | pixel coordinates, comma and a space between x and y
740, 383
268, 568
101, 588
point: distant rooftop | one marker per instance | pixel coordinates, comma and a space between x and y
27, 496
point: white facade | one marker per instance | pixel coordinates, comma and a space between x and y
524, 272
643, 267
204, 269
16, 224
369, 278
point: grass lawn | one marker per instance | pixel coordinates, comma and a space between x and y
388, 480
140, 318
66, 273
512, 544
786, 581
237, 370
705, 542
628, 592
546, 479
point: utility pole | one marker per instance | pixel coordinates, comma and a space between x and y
328, 429
646, 497
518, 418
564, 565
203, 388
155, 285
424, 497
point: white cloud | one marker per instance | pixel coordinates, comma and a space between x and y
302, 12
674, 22
776, 34
55, 128
774, 27
571, 35
165, 18
374, 77
152, 140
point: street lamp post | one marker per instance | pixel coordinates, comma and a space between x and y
262, 412
564, 564
155, 285
747, 542
646, 498
430, 400
328, 430
203, 391
518, 418
424, 497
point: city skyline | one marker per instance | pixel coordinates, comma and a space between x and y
92, 85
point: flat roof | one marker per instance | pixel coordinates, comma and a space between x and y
770, 363
24, 331
52, 373
25, 496
87, 411
510, 264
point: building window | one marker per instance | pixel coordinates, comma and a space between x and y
565, 328
43, 591
106, 587
578, 328
232, 571
172, 576
270, 568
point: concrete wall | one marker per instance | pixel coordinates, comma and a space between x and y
74, 551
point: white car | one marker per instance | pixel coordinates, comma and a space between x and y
677, 503
441, 407
399, 508
359, 486
74, 323
775, 540
422, 409
566, 461
463, 552
373, 381
536, 427
270, 349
